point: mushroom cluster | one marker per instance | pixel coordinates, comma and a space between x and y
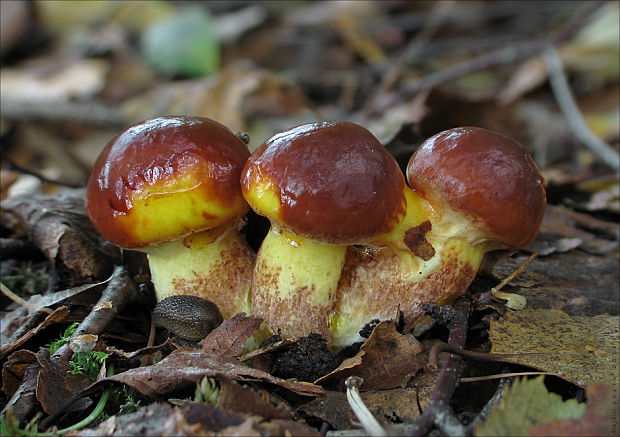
351, 239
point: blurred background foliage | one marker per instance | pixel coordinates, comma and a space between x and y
74, 73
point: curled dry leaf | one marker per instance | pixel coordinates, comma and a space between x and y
388, 359
56, 316
55, 385
229, 338
184, 368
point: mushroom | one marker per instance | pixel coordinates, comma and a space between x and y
169, 187
483, 191
323, 186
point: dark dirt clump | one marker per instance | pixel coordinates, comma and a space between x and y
306, 360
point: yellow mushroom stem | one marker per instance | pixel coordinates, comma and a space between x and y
431, 256
294, 283
215, 265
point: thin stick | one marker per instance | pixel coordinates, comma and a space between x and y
30, 171
504, 55
514, 274
438, 411
15, 298
505, 375
433, 356
435, 20
566, 102
367, 420
91, 113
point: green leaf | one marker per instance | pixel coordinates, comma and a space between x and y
66, 336
527, 403
87, 363
183, 44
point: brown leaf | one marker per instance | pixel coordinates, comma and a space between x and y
211, 418
398, 404
55, 385
388, 359
56, 316
582, 349
249, 400
184, 368
229, 338
600, 417
14, 369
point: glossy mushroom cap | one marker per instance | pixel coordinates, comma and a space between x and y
485, 176
329, 181
165, 178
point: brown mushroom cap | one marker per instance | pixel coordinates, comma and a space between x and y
486, 176
329, 181
165, 178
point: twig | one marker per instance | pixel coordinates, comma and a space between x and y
39, 175
505, 375
566, 102
486, 410
431, 26
87, 113
504, 55
17, 248
438, 411
514, 274
367, 420
120, 291
514, 301
433, 356
15, 298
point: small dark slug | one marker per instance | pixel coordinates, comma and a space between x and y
189, 317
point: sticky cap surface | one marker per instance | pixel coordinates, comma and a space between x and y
486, 176
330, 181
165, 178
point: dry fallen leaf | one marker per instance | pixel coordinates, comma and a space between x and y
14, 369
229, 338
55, 385
56, 316
388, 359
584, 350
184, 368
248, 400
